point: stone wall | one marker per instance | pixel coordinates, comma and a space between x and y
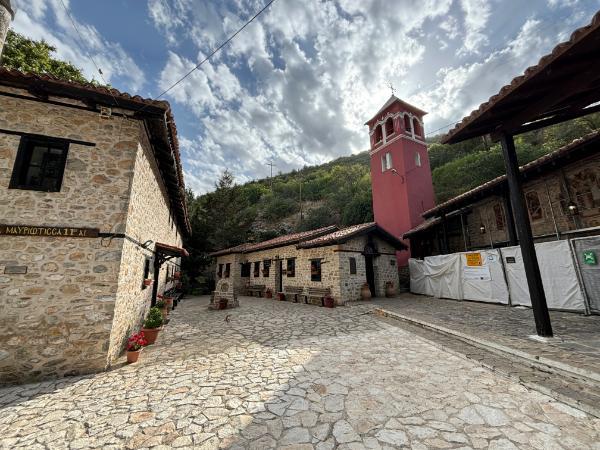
80, 298
335, 268
148, 218
384, 267
329, 268
56, 318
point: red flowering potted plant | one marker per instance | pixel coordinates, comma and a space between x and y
135, 345
148, 281
168, 301
269, 293
152, 325
281, 296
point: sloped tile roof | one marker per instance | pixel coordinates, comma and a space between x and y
345, 234
529, 168
542, 68
423, 226
43, 85
279, 241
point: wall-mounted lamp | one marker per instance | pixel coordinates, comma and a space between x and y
148, 243
395, 172
482, 228
573, 208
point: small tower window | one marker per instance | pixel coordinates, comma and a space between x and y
417, 127
407, 124
378, 134
386, 162
418, 159
389, 126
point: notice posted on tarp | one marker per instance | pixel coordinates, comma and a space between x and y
477, 273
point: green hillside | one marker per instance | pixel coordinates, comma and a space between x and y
339, 192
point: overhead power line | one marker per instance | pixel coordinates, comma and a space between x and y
216, 50
80, 44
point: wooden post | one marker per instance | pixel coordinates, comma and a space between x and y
156, 280
446, 247
464, 231
510, 222
532, 269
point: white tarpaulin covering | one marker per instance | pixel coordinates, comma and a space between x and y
450, 276
485, 283
559, 276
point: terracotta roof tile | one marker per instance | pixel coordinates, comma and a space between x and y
47, 83
339, 235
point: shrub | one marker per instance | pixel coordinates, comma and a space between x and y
160, 304
154, 318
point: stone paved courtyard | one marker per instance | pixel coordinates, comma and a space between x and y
291, 376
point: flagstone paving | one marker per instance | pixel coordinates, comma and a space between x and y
279, 375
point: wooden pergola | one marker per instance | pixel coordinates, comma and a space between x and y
564, 85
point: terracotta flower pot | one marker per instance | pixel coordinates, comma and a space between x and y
281, 296
148, 282
151, 334
133, 355
165, 312
389, 290
329, 302
169, 302
365, 292
268, 294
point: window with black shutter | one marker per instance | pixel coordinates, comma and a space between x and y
40, 164
227, 270
246, 270
220, 272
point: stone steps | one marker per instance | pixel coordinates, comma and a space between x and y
572, 388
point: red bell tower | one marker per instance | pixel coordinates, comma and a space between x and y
400, 171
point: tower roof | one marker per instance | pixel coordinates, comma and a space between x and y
393, 99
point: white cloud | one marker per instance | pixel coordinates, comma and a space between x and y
32, 18
477, 13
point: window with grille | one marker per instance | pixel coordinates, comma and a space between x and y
534, 206
40, 164
352, 266
291, 268
315, 270
257, 269
266, 268
499, 216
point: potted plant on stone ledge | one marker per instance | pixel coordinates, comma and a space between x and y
135, 345
152, 325
148, 282
164, 309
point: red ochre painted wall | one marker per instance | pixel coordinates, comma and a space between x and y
400, 198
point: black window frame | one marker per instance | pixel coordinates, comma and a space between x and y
266, 268
23, 162
227, 270
256, 269
352, 262
316, 276
290, 269
220, 271
246, 269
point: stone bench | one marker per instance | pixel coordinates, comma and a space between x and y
259, 289
315, 296
293, 292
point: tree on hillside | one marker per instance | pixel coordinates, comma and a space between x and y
27, 55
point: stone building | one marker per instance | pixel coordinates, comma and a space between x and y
339, 259
92, 200
562, 193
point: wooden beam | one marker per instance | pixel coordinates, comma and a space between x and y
523, 226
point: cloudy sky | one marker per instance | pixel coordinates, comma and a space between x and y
296, 86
